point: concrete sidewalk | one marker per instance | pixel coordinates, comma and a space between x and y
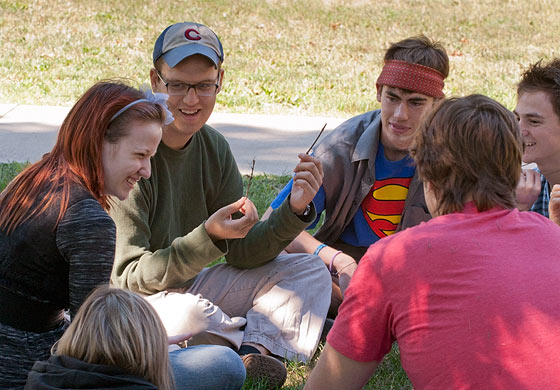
27, 132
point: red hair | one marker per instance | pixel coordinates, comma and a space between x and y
76, 156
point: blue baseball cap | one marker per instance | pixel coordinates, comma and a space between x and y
182, 40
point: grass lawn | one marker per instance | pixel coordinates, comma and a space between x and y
281, 56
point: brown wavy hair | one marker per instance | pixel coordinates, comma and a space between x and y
119, 328
469, 147
543, 77
76, 156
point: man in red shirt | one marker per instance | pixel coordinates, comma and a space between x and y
471, 295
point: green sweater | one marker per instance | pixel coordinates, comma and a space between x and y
161, 239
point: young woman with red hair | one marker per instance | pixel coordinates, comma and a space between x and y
57, 241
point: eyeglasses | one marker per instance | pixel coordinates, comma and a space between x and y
181, 89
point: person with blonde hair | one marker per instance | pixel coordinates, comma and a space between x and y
116, 341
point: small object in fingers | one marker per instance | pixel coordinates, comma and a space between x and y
316, 139
250, 179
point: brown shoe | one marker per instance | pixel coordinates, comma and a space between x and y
265, 369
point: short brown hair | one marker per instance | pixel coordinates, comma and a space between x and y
469, 146
420, 50
543, 77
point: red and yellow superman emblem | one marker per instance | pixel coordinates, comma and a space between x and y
384, 204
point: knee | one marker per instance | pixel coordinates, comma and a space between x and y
230, 365
208, 367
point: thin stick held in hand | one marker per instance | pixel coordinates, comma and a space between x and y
316, 139
250, 179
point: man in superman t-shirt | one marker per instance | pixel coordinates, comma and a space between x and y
370, 189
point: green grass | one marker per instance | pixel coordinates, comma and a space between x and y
8, 171
282, 56
263, 190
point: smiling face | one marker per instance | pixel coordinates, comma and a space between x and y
401, 114
540, 128
190, 111
128, 160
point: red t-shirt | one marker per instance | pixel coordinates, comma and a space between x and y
472, 299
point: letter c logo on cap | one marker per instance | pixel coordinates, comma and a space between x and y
192, 35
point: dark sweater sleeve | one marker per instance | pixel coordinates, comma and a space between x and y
86, 239
269, 237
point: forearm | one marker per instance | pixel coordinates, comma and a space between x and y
148, 272
268, 238
306, 243
336, 371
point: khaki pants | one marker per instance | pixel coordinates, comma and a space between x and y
282, 306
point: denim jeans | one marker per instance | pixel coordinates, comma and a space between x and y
207, 367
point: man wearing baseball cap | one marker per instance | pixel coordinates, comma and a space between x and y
370, 188
192, 211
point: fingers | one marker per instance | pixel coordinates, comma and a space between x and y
307, 180
221, 225
528, 189
554, 205
249, 209
311, 166
233, 207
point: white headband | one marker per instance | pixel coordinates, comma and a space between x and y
157, 98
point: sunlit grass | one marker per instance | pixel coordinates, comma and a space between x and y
282, 56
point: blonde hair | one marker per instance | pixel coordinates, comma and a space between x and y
119, 328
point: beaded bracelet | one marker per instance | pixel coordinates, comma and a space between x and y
319, 247
334, 273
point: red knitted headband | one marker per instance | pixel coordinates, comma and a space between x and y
412, 77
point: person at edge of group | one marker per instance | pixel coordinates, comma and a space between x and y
116, 341
471, 295
538, 112
57, 241
370, 187
192, 211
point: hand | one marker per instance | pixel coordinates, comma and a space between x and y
528, 189
345, 266
554, 205
221, 225
306, 182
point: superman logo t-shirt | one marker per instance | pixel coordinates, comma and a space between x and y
381, 209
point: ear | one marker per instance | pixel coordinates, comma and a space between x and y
221, 80
154, 80
379, 91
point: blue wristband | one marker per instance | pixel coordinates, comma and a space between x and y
321, 246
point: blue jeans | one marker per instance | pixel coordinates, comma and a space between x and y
207, 367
